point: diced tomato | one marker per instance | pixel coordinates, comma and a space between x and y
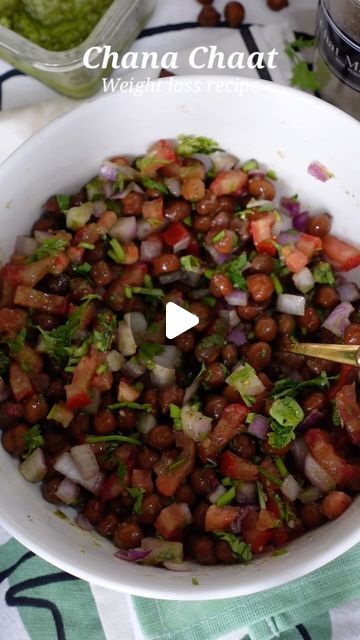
221, 518
279, 536
29, 360
172, 520
261, 228
112, 488
192, 172
324, 453
194, 247
78, 391
232, 418
127, 453
227, 182
251, 534
28, 274
267, 520
346, 370
33, 299
308, 244
60, 263
237, 468
7, 291
127, 392
134, 275
154, 210
95, 230
76, 254
20, 384
12, 320
142, 479
160, 154
175, 234
295, 260
334, 504
131, 252
344, 256
268, 247
271, 470
170, 479
103, 381
349, 411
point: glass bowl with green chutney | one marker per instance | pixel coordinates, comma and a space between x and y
49, 38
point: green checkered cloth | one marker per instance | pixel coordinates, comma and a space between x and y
50, 604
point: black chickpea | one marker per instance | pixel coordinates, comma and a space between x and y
265, 329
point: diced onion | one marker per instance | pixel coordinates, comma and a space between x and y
289, 236
25, 245
137, 324
259, 427
150, 248
237, 336
92, 408
162, 376
319, 171
174, 186
65, 465
124, 229
67, 491
290, 206
169, 357
231, 317
191, 390
310, 494
34, 467
290, 488
85, 461
178, 566
288, 303
115, 360
300, 221
195, 424
246, 493
83, 522
217, 493
131, 555
237, 298
125, 340
219, 258
133, 368
146, 422
348, 292
303, 280
182, 244
223, 161
168, 278
338, 319
109, 171
317, 475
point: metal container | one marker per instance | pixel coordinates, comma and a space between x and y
64, 71
337, 61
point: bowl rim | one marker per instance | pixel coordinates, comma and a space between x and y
183, 591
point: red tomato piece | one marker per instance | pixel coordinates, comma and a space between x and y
12, 320
308, 244
142, 479
318, 442
237, 468
76, 254
172, 520
160, 155
154, 210
295, 260
342, 254
33, 299
28, 274
78, 391
261, 228
112, 488
251, 534
103, 381
221, 518
169, 480
349, 411
227, 182
20, 384
176, 233
232, 418
334, 504
268, 247
346, 370
267, 520
95, 230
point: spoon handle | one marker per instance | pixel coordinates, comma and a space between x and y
346, 354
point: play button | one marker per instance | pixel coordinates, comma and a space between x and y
178, 320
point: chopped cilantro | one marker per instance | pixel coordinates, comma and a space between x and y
335, 416
262, 497
287, 415
290, 388
188, 145
4, 363
271, 174
226, 498
175, 414
18, 343
137, 495
188, 221
195, 582
212, 341
250, 165
50, 247
279, 552
148, 351
281, 467
131, 405
146, 291
322, 273
243, 380
149, 183
233, 270
114, 438
63, 202
121, 471
82, 269
270, 477
190, 263
277, 284
58, 340
116, 252
33, 439
240, 549
302, 76
86, 245
219, 236
105, 331
210, 301
175, 465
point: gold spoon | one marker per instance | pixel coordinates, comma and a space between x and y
346, 354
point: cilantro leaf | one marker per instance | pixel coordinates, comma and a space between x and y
4, 363
302, 75
190, 263
149, 183
33, 439
63, 202
246, 382
212, 341
105, 331
240, 549
233, 270
147, 352
137, 495
290, 388
287, 415
322, 273
57, 341
131, 405
121, 471
50, 247
188, 145
18, 343
82, 269
175, 414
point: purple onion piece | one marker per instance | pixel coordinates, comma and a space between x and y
235, 527
319, 171
300, 221
219, 258
287, 237
312, 420
290, 206
83, 522
246, 493
237, 298
109, 171
237, 336
132, 555
259, 427
348, 292
338, 319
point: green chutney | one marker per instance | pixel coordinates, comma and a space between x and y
56, 25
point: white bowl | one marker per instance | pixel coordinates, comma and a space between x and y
280, 126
